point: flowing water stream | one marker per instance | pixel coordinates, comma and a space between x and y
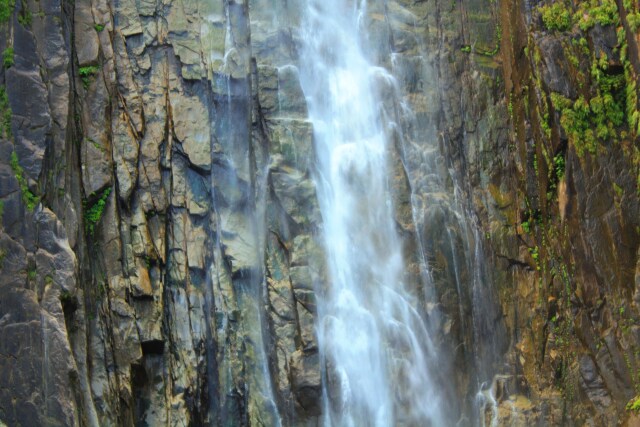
374, 344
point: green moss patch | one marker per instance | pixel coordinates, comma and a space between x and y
93, 211
30, 200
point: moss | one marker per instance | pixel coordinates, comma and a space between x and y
30, 200
6, 9
99, 27
556, 17
93, 212
618, 190
498, 39
8, 57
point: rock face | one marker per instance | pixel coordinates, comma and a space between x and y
159, 250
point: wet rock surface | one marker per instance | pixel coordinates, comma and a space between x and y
159, 249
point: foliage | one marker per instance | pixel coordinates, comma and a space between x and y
588, 121
498, 39
634, 404
86, 73
25, 18
592, 12
6, 9
559, 165
634, 21
93, 212
7, 57
99, 27
556, 17
5, 114
30, 200
575, 119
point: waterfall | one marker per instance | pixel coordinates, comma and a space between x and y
376, 351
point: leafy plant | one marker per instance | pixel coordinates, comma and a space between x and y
93, 212
559, 166
99, 27
7, 57
86, 73
634, 404
604, 12
556, 17
6, 9
30, 200
25, 18
5, 114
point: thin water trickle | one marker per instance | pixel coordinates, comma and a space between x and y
376, 350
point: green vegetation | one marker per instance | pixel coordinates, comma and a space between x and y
25, 18
575, 119
535, 254
631, 94
619, 192
634, 21
559, 166
634, 404
5, 114
592, 12
6, 9
605, 109
86, 73
96, 145
556, 17
466, 48
30, 200
498, 38
99, 27
7, 57
93, 212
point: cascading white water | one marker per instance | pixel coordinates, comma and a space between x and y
374, 344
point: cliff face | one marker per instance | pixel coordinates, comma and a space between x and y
159, 257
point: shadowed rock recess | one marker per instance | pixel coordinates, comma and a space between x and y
161, 256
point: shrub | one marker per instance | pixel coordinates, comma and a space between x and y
6, 9
86, 73
93, 212
556, 17
7, 57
